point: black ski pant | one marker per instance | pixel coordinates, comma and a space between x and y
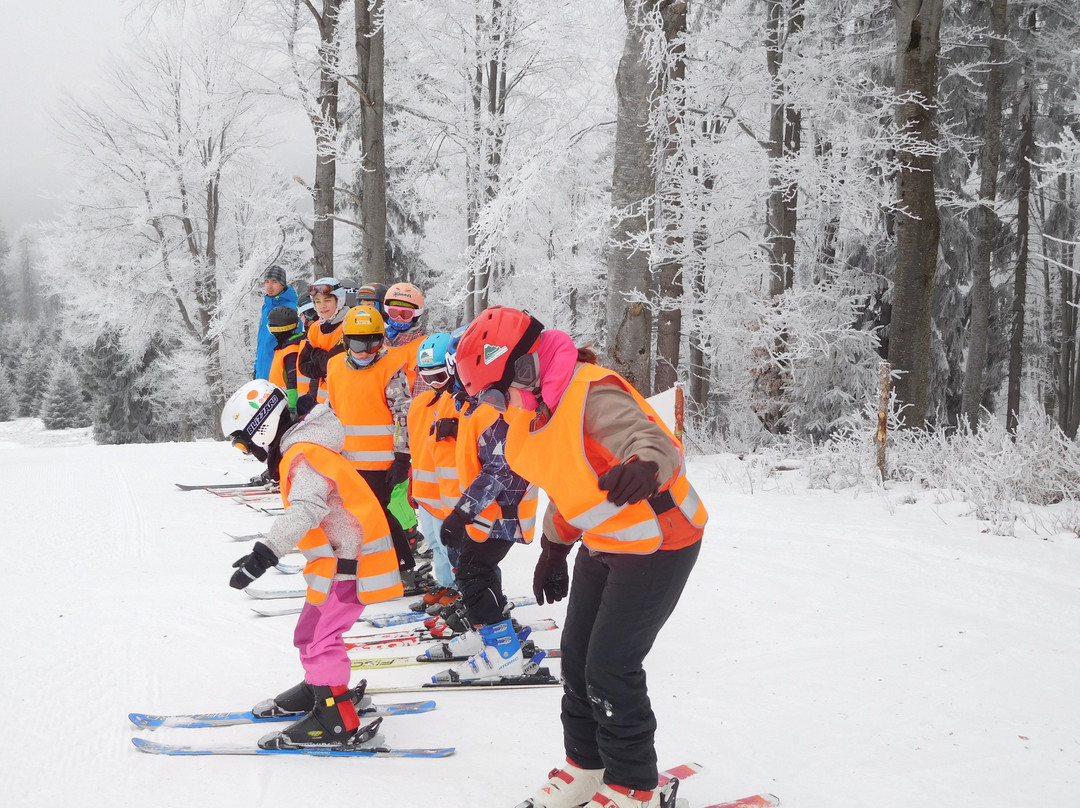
376, 480
480, 581
618, 604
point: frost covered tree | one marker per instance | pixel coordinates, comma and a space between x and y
175, 216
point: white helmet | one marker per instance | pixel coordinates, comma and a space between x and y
252, 415
329, 286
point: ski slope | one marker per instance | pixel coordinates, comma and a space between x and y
854, 648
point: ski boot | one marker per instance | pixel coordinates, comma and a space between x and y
568, 787
500, 657
445, 598
449, 622
300, 699
613, 796
462, 646
435, 598
332, 722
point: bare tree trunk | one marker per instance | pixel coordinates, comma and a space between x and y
629, 323
1026, 154
370, 43
669, 326
785, 135
483, 172
326, 129
918, 226
985, 220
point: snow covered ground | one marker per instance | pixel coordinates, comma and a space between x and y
872, 649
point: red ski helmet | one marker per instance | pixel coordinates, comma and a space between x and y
496, 350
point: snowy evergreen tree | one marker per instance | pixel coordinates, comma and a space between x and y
65, 404
31, 378
8, 406
122, 410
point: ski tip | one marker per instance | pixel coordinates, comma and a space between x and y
144, 720
152, 747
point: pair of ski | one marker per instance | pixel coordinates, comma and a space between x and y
669, 781
399, 639
200, 720
528, 650
378, 621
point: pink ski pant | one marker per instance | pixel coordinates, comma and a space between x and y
318, 635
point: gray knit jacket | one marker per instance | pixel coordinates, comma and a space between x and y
314, 499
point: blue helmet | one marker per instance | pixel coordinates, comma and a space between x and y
432, 351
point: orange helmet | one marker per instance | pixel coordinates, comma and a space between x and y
497, 350
405, 293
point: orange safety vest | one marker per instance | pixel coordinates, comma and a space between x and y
425, 485
444, 455
303, 383
277, 367
358, 396
468, 465
326, 342
556, 457
377, 577
405, 356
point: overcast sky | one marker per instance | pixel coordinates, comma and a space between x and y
45, 49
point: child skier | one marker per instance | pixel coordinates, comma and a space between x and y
323, 339
335, 520
284, 323
616, 480
370, 394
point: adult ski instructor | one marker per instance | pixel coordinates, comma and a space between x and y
339, 526
615, 478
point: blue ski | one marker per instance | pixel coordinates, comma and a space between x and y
197, 720
155, 748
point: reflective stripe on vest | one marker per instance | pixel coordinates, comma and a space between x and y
377, 577
425, 485
444, 457
556, 457
358, 396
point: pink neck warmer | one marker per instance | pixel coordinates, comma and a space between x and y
558, 358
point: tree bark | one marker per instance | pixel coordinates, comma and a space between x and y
785, 136
985, 220
1026, 154
669, 325
918, 226
326, 130
629, 322
370, 54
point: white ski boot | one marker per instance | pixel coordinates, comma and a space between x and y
500, 657
610, 796
568, 787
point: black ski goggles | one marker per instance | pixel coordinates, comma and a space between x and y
364, 344
243, 443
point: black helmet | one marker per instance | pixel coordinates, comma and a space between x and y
375, 293
282, 320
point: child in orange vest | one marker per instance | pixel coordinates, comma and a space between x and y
335, 520
615, 477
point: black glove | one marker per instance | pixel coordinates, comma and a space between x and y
551, 578
399, 469
445, 428
251, 566
453, 533
630, 482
